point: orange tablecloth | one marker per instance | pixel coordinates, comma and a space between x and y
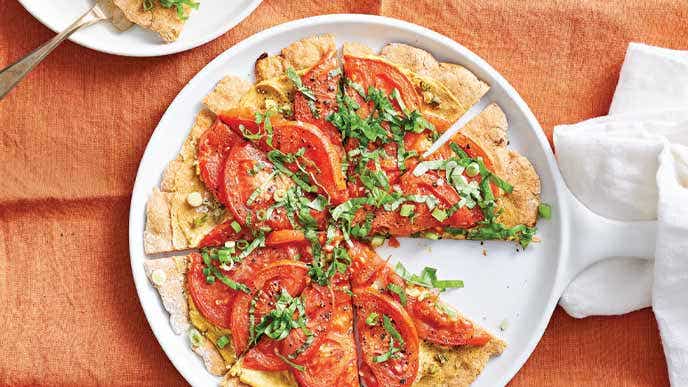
72, 134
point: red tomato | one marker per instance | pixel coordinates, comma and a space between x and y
214, 301
401, 369
324, 86
282, 237
438, 327
263, 356
246, 172
213, 146
365, 263
222, 233
319, 304
381, 75
267, 286
323, 161
334, 364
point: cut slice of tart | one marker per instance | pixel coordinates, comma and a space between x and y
190, 209
406, 334
200, 291
165, 18
473, 187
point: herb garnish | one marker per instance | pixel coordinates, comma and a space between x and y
427, 278
279, 321
395, 337
178, 4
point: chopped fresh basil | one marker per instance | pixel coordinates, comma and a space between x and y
427, 278
399, 291
296, 80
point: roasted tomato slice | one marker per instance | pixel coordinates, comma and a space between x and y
430, 183
319, 306
381, 75
285, 237
222, 233
437, 326
213, 148
267, 286
334, 365
321, 159
264, 356
249, 186
401, 367
323, 81
215, 300
365, 264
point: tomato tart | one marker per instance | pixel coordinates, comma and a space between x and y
285, 186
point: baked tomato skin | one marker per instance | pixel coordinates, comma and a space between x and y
365, 264
222, 233
323, 80
266, 288
264, 356
319, 307
334, 365
402, 368
249, 184
432, 323
212, 149
436, 326
381, 75
214, 301
322, 158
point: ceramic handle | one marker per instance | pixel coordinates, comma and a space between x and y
595, 238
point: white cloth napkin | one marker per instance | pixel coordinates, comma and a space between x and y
633, 165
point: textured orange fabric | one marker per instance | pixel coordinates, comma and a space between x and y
72, 134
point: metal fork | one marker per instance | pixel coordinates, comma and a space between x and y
12, 74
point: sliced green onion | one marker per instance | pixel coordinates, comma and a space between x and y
407, 210
545, 211
439, 214
377, 240
372, 319
222, 341
472, 170
210, 279
235, 226
431, 235
195, 337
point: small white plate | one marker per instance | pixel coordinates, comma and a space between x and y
506, 287
212, 19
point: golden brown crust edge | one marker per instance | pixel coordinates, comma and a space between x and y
170, 279
489, 131
462, 365
167, 212
164, 21
460, 81
299, 55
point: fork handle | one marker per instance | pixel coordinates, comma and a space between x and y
12, 74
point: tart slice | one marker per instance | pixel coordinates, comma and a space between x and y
407, 335
473, 187
163, 17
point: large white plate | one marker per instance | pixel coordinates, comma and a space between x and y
508, 284
212, 19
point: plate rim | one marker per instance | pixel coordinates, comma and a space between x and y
560, 192
163, 50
